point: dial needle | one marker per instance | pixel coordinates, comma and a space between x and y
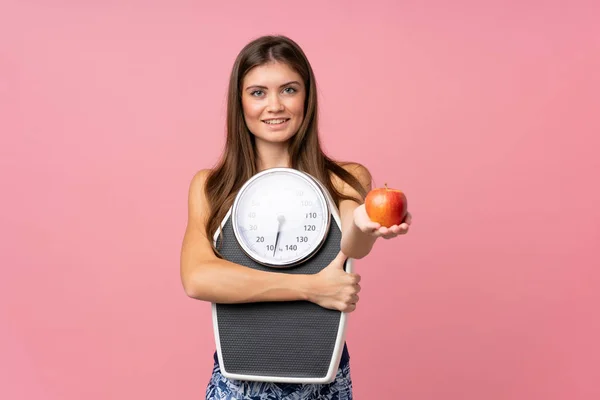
280, 219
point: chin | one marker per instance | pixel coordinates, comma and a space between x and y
274, 136
274, 139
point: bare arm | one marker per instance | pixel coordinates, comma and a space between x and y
206, 277
355, 243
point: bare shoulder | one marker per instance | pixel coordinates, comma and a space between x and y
197, 203
358, 171
199, 178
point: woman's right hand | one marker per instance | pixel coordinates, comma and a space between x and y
334, 288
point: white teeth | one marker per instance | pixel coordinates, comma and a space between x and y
275, 121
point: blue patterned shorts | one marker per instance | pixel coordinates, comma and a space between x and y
221, 388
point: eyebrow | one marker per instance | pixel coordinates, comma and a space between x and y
264, 87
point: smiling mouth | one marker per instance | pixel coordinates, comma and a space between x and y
277, 121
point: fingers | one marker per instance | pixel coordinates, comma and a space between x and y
349, 308
347, 301
339, 289
375, 229
393, 231
350, 304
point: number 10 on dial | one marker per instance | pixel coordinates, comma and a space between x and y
281, 217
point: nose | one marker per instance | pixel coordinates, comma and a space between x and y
274, 103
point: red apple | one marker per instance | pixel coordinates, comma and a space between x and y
386, 206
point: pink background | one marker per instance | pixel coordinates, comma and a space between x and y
485, 113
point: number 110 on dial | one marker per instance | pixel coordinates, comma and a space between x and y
281, 217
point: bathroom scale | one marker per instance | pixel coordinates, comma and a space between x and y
284, 221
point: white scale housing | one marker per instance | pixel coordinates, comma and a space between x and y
283, 221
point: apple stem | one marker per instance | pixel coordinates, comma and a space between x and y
386, 188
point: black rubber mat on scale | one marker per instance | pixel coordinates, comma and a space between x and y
279, 339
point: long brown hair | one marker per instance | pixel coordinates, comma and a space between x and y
238, 161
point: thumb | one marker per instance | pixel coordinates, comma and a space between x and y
340, 259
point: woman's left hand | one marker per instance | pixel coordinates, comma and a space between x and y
364, 223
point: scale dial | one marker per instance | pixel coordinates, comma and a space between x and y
281, 217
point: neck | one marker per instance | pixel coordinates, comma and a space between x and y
272, 155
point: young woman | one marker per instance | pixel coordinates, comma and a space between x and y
272, 122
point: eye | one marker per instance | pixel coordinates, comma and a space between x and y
290, 90
256, 93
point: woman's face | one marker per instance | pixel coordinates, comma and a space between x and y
273, 102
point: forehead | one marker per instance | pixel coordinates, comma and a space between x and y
271, 74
